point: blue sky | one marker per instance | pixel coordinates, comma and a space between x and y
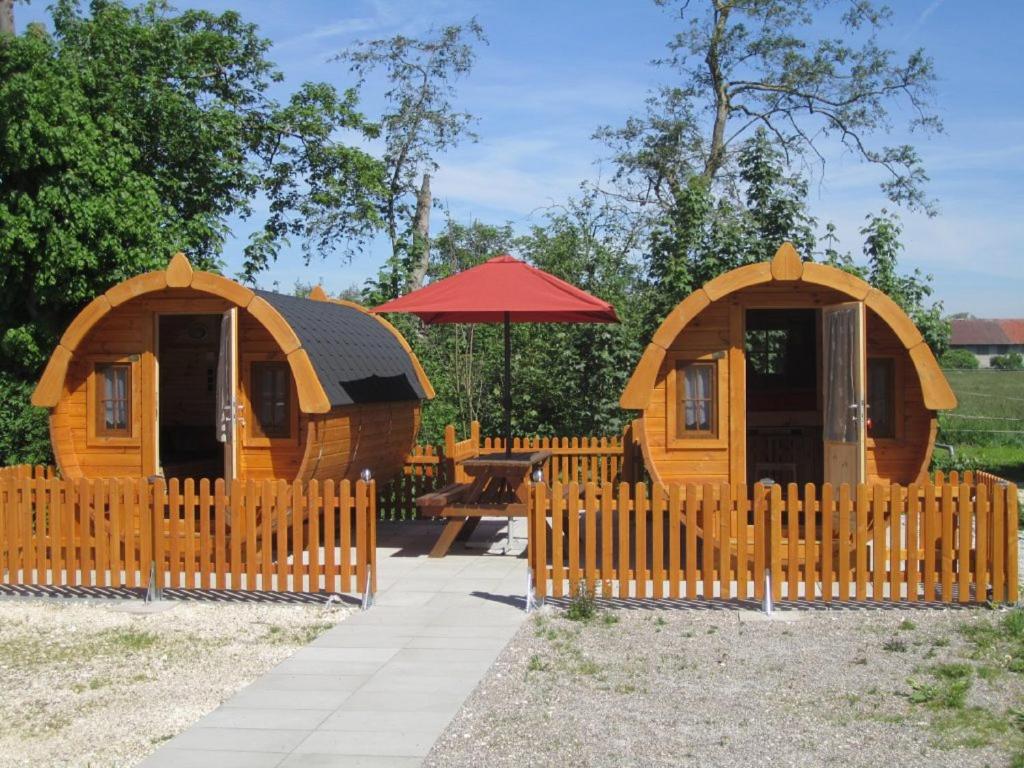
554, 71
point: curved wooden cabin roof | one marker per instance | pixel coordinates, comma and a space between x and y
316, 336
787, 268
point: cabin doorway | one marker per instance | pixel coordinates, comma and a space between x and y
784, 398
188, 356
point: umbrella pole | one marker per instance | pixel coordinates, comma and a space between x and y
508, 385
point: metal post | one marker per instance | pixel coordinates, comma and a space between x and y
508, 385
153, 591
531, 594
766, 602
367, 601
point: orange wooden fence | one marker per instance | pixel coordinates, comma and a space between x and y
944, 543
269, 536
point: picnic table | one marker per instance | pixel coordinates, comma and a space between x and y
498, 486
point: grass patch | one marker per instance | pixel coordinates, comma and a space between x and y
907, 625
894, 645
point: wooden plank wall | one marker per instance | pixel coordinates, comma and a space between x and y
262, 536
952, 542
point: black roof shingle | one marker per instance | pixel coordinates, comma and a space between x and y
357, 359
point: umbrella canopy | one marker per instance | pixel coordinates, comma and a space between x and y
500, 287
503, 290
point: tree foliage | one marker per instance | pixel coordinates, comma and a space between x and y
420, 122
740, 65
128, 133
960, 359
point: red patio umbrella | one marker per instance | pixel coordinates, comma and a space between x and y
503, 290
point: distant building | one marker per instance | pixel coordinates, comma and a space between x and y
987, 338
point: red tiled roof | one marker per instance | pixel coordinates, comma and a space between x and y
977, 331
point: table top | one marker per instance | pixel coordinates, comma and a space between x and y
500, 460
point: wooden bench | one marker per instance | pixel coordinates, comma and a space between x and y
432, 504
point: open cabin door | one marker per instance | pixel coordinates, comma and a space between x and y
843, 378
227, 393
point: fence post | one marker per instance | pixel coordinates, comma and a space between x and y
770, 512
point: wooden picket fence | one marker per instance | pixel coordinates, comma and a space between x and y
269, 536
931, 543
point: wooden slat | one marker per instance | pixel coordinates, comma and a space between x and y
250, 510
761, 543
281, 506
793, 541
1012, 520
622, 572
861, 573
345, 534
314, 513
237, 502
810, 539
931, 529
557, 541
574, 536
299, 545
878, 551
707, 525
692, 523
947, 549
963, 533
174, 533
981, 532
895, 544
330, 510
999, 545
743, 549
590, 545
607, 541
776, 508
268, 497
539, 525
55, 489
40, 515
725, 515
658, 541
640, 540
827, 539
847, 543
189, 532
205, 543
146, 520
914, 546
220, 551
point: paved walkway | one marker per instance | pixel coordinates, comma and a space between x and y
379, 688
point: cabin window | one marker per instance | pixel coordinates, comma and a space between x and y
271, 400
881, 397
697, 415
113, 400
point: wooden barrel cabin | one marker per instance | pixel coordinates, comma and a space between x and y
183, 373
789, 370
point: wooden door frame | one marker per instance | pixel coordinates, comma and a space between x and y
860, 386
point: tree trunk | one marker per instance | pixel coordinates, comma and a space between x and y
716, 149
421, 233
7, 17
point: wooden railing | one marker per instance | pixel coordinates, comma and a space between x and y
934, 543
579, 459
270, 536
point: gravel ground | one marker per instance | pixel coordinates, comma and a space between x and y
89, 684
723, 688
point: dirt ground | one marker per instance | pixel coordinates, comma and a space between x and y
721, 688
88, 683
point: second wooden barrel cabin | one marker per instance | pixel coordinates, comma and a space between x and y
183, 373
789, 370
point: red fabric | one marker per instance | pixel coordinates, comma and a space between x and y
502, 285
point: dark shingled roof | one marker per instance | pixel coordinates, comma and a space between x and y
357, 359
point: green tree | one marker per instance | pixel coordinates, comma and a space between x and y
420, 123
128, 133
742, 65
1011, 361
912, 291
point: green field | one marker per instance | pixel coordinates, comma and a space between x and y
993, 441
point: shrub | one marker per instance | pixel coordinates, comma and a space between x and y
24, 429
582, 607
958, 358
1011, 361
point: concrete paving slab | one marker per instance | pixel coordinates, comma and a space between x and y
380, 687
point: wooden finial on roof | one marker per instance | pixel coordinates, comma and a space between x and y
179, 272
786, 263
317, 293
